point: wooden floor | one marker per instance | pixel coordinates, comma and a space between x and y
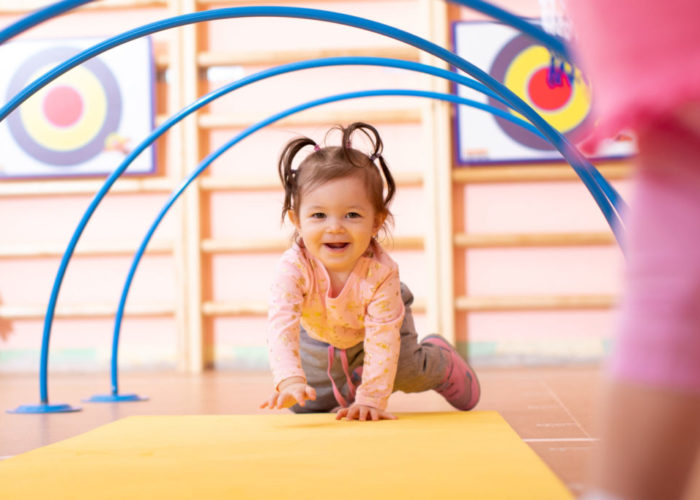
552, 409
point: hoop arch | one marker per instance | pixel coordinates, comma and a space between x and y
553, 42
604, 195
601, 191
242, 135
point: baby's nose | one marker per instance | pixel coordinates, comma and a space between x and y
335, 224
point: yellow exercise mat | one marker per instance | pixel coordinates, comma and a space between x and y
474, 455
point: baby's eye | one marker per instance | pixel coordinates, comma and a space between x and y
353, 215
317, 215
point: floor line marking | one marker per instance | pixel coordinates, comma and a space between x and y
566, 409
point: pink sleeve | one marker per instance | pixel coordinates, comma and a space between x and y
287, 296
382, 343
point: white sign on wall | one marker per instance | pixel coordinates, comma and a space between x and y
524, 66
86, 121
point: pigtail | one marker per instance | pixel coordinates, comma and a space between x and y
390, 184
376, 141
287, 174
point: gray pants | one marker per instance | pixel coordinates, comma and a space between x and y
421, 366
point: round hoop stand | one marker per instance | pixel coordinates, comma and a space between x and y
115, 398
45, 408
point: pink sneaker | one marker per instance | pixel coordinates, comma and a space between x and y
460, 386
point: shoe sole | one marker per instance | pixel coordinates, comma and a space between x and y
474, 387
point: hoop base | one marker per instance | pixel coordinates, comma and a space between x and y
115, 398
45, 408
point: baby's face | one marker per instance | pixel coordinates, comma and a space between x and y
336, 221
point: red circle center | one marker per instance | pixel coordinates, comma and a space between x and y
546, 95
63, 106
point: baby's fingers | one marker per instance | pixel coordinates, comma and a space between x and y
364, 412
285, 400
351, 413
383, 415
310, 393
270, 402
299, 395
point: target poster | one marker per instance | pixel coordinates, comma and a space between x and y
523, 65
86, 121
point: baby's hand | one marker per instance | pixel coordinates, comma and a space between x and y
290, 392
363, 412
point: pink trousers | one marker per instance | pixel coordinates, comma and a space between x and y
659, 331
643, 59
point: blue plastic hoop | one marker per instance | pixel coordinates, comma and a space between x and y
45, 408
602, 192
210, 158
38, 17
268, 73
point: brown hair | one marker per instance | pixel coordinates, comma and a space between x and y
336, 162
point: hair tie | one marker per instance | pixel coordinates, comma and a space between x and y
374, 156
317, 147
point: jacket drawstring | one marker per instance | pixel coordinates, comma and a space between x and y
344, 361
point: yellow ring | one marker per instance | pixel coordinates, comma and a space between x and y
77, 135
518, 76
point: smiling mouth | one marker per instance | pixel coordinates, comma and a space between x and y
336, 246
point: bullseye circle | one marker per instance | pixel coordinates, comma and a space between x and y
524, 68
63, 106
545, 95
65, 139
68, 121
